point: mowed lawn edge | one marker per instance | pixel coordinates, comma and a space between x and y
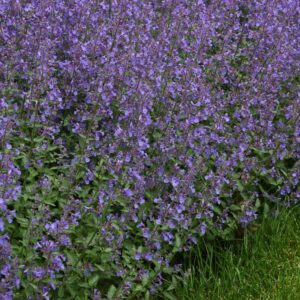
265, 265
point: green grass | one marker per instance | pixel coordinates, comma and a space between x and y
266, 265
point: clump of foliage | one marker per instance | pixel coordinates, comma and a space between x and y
130, 128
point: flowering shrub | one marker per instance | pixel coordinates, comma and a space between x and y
130, 128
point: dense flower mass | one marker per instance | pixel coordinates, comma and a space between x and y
128, 129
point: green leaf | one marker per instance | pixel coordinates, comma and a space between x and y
257, 203
266, 209
138, 288
240, 186
170, 296
217, 210
23, 222
235, 207
178, 241
144, 280
111, 292
93, 281
99, 267
147, 295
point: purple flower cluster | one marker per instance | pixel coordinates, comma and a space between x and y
130, 128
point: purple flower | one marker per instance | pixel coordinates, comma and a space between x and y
148, 256
171, 224
146, 233
1, 225
38, 273
203, 228
175, 181
128, 192
248, 217
137, 255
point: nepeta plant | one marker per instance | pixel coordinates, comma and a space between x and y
130, 128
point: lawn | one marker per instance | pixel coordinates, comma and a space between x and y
265, 265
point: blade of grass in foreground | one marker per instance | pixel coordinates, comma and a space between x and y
265, 266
